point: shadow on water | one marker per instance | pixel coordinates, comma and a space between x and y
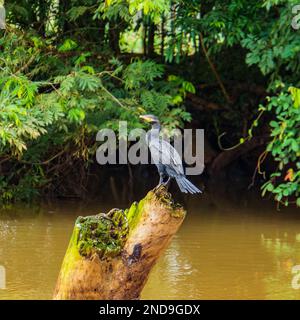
240, 248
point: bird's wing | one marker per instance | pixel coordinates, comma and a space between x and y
163, 152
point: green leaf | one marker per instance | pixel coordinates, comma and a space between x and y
68, 45
76, 115
75, 12
295, 92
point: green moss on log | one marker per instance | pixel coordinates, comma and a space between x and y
106, 234
103, 234
165, 198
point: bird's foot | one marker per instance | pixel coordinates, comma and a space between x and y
167, 183
163, 184
159, 186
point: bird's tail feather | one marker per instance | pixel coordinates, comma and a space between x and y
186, 186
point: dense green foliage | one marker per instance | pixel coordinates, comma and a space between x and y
70, 68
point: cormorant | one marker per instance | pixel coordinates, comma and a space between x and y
166, 158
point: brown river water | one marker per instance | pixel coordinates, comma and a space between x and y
221, 251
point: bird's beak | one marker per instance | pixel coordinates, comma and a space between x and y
145, 118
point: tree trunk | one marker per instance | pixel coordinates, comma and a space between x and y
145, 33
111, 255
163, 35
114, 37
151, 37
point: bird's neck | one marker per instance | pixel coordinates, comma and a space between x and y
154, 132
156, 127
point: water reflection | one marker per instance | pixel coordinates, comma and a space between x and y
238, 254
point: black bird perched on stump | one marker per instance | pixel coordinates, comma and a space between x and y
166, 158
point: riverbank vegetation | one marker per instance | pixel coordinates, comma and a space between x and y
71, 68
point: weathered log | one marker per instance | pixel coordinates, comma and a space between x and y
229, 156
110, 255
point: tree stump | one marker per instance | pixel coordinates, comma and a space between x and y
110, 255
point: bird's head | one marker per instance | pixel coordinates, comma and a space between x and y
149, 118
